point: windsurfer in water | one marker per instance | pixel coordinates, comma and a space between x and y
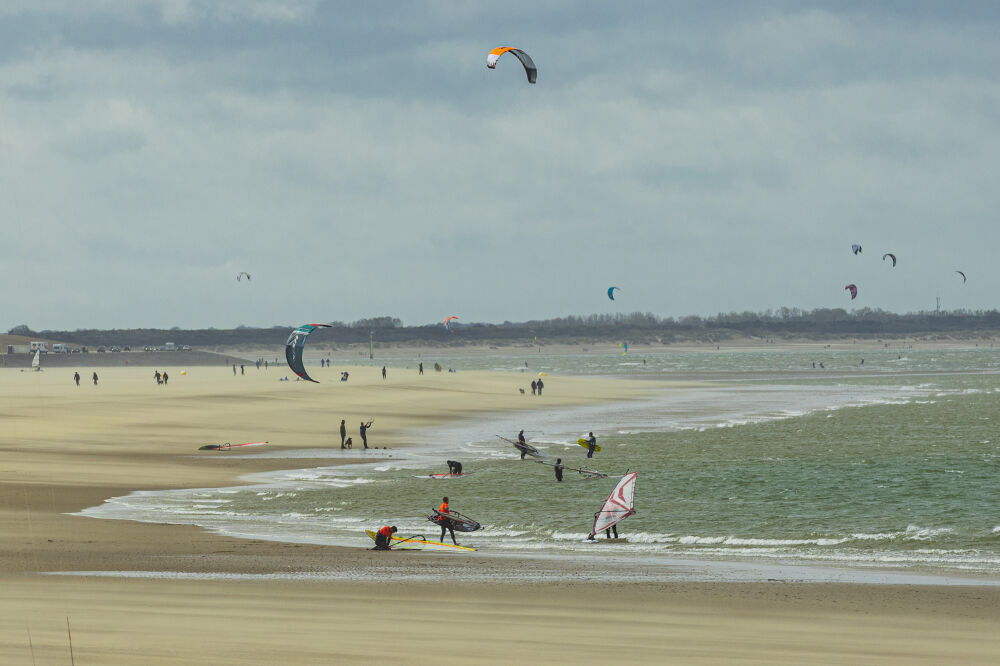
559, 469
607, 532
591, 445
454, 467
384, 537
521, 444
446, 523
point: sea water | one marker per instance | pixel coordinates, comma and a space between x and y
890, 464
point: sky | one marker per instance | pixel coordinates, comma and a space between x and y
360, 160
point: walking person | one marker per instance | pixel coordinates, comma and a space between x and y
76, 378
165, 377
446, 523
534, 386
95, 378
343, 432
540, 386
383, 373
421, 366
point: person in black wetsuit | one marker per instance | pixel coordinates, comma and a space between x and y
591, 445
364, 431
343, 432
559, 469
454, 467
520, 440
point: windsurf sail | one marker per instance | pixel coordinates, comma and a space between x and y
618, 506
459, 522
418, 542
227, 446
36, 363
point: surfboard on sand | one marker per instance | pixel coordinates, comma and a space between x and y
586, 444
418, 542
227, 446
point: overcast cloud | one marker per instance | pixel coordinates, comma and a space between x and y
360, 160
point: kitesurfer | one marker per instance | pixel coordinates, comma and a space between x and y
591, 445
521, 444
454, 467
559, 469
446, 523
343, 432
364, 431
384, 537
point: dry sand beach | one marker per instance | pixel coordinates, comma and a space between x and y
65, 448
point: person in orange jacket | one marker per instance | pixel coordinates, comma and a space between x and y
384, 537
446, 523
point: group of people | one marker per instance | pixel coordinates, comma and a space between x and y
536, 386
76, 378
160, 378
383, 538
346, 442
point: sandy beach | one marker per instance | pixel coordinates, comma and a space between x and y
64, 448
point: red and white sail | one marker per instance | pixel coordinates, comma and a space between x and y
618, 506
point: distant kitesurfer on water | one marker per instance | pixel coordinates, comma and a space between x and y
343, 432
559, 469
384, 537
446, 523
364, 431
454, 467
591, 445
522, 445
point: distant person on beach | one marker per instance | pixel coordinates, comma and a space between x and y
242, 369
591, 445
364, 431
522, 445
156, 376
343, 432
384, 537
234, 369
383, 373
446, 523
421, 367
559, 469
540, 386
95, 379
76, 378
454, 467
165, 377
534, 386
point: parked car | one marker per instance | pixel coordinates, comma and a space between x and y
102, 349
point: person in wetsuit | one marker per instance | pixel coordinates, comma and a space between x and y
446, 523
364, 431
454, 467
559, 469
343, 432
591, 445
520, 440
384, 537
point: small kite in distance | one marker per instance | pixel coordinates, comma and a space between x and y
529, 65
891, 256
853, 289
241, 274
963, 276
856, 249
447, 323
611, 294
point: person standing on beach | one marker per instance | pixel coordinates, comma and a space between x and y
540, 386
421, 367
343, 431
364, 431
165, 377
534, 386
559, 469
234, 369
76, 378
95, 378
156, 376
383, 373
446, 523
242, 370
591, 445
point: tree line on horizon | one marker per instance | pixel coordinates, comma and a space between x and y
636, 328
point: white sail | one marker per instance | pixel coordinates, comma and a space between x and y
35, 362
618, 506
